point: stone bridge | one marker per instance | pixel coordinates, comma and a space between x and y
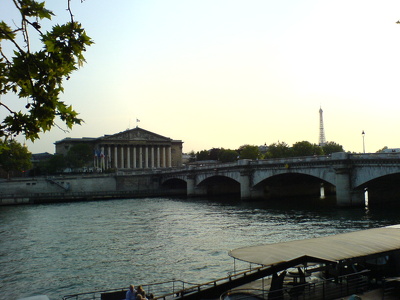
348, 176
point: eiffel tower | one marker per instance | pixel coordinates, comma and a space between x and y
322, 140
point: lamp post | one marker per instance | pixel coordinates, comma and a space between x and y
363, 135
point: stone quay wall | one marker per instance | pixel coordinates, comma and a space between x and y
81, 187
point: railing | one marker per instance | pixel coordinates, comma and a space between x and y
186, 292
388, 155
160, 288
174, 289
322, 290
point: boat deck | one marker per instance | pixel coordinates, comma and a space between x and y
258, 288
377, 294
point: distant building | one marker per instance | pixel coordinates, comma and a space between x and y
188, 158
38, 157
131, 149
263, 148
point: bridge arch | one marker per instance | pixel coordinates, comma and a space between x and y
382, 190
234, 175
174, 183
218, 185
320, 173
366, 175
289, 184
176, 186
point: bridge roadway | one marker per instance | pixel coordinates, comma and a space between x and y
344, 174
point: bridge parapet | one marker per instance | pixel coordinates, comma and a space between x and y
374, 156
317, 159
289, 160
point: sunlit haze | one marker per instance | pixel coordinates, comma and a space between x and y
221, 74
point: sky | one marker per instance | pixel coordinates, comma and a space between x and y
224, 73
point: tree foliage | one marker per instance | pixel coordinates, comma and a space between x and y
332, 147
305, 148
382, 150
213, 154
278, 150
192, 156
275, 150
202, 155
14, 157
37, 76
227, 155
79, 156
56, 164
249, 152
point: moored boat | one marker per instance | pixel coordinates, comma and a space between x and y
328, 267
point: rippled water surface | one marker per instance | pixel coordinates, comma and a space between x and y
59, 249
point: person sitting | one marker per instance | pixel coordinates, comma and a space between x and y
131, 293
141, 291
140, 297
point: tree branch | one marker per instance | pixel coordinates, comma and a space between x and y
6, 107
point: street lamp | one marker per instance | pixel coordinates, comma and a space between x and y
363, 135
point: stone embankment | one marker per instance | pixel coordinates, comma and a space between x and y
79, 187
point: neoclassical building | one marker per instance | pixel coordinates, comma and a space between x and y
131, 149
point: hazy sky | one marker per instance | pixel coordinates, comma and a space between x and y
216, 73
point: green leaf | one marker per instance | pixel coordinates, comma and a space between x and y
37, 77
6, 32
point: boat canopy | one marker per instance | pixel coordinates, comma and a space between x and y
333, 248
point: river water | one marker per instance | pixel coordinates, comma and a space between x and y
59, 249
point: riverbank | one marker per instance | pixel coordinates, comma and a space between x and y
88, 187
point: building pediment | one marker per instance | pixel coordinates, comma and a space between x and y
136, 134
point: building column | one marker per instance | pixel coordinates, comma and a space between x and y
128, 157
109, 157
140, 157
102, 159
158, 157
152, 157
122, 157
134, 157
116, 156
146, 157
164, 165
169, 157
